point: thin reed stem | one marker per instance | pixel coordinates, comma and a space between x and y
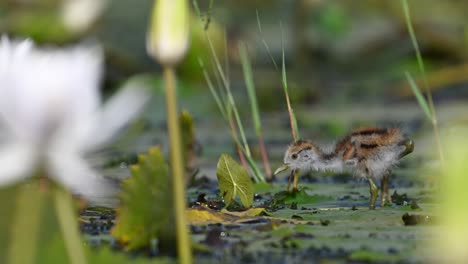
220, 103
249, 83
292, 116
263, 153
265, 43
422, 69
233, 128
177, 167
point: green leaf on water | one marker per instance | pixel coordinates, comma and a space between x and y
234, 181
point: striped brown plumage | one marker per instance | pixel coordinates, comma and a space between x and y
370, 153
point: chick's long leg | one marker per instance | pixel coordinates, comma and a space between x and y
296, 177
385, 194
289, 180
374, 191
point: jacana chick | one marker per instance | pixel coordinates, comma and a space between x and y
369, 153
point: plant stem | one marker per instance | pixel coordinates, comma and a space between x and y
26, 221
68, 225
437, 138
177, 167
243, 161
221, 107
263, 152
249, 83
267, 48
422, 69
292, 116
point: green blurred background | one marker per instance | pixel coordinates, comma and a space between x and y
345, 59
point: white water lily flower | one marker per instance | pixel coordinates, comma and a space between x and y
51, 114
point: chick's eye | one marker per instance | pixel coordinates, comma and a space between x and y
294, 156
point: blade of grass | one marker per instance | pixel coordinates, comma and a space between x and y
208, 15
249, 83
220, 85
253, 166
414, 41
212, 89
292, 117
433, 116
200, 15
221, 106
264, 42
258, 175
230, 105
197, 9
230, 98
226, 57
419, 58
284, 82
419, 96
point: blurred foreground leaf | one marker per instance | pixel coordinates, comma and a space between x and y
146, 213
107, 255
188, 141
234, 181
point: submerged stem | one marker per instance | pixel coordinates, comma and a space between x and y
177, 167
67, 220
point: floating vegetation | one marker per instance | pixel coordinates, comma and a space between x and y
234, 181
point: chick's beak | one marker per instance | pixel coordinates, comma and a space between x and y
281, 168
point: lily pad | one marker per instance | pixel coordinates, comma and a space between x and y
234, 181
300, 197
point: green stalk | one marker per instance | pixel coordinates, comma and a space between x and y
221, 107
249, 83
226, 58
177, 167
230, 98
284, 81
68, 225
26, 224
265, 43
430, 102
245, 149
292, 116
197, 9
212, 89
230, 105
419, 96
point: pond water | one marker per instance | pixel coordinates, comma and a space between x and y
328, 219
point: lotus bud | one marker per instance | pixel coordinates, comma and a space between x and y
168, 36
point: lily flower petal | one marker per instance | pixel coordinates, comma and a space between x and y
73, 172
17, 163
50, 103
117, 113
